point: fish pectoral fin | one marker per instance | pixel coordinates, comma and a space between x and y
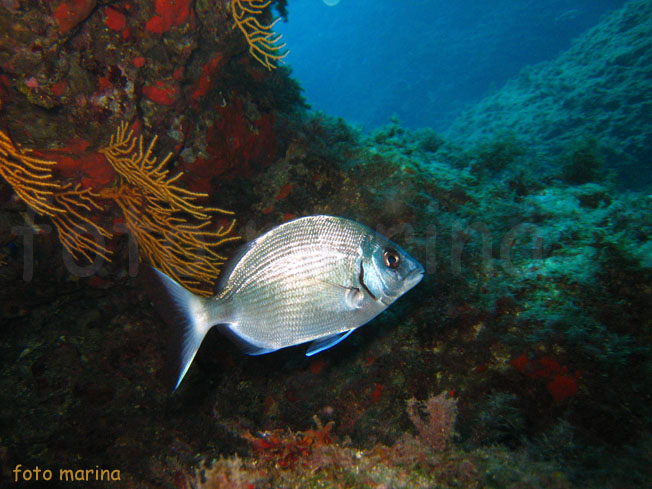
326, 342
352, 296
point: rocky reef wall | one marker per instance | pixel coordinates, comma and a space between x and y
601, 88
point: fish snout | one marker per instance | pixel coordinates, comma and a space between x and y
415, 276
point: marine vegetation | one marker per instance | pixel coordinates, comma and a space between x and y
317, 458
582, 162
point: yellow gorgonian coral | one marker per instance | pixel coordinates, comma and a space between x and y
264, 44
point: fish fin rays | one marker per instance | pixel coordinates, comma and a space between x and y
327, 342
341, 297
187, 318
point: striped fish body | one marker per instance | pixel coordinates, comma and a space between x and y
316, 278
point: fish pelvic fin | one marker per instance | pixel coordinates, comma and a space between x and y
187, 317
327, 342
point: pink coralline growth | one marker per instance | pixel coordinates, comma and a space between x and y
161, 93
31, 82
169, 13
71, 12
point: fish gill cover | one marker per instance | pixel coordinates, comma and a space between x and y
522, 359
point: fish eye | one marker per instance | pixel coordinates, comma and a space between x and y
392, 258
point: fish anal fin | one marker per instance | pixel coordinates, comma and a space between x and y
326, 342
245, 344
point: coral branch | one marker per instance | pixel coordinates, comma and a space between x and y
174, 233
30, 177
74, 225
156, 210
263, 41
32, 181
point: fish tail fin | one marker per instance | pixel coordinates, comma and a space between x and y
187, 316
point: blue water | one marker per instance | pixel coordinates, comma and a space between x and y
423, 60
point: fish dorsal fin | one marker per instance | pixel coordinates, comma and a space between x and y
230, 265
326, 342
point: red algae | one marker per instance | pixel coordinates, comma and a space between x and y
206, 78
169, 13
378, 391
76, 162
237, 147
243, 145
161, 93
520, 362
317, 365
285, 448
116, 21
198, 179
562, 387
72, 12
104, 84
285, 191
59, 88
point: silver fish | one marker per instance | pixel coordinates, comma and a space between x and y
315, 278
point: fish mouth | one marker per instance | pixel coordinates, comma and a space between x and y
414, 277
410, 280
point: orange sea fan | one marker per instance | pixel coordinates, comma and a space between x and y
156, 211
264, 43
